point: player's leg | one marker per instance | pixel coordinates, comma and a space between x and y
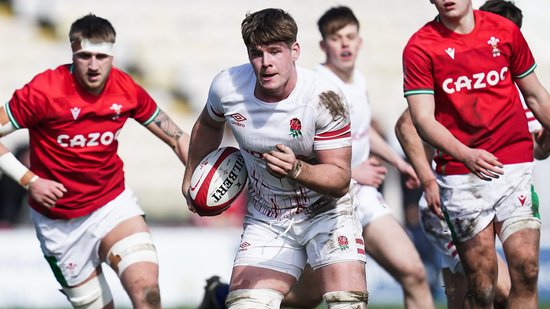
337, 255
343, 285
129, 250
268, 264
256, 287
522, 252
503, 284
388, 244
456, 288
306, 293
70, 248
94, 293
481, 273
518, 228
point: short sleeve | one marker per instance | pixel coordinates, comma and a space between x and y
214, 101
522, 62
147, 109
333, 126
417, 71
26, 107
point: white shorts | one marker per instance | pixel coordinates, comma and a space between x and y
71, 246
286, 245
370, 204
470, 203
438, 233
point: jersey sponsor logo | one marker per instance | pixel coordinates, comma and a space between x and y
237, 119
75, 111
494, 45
476, 81
451, 52
90, 140
117, 108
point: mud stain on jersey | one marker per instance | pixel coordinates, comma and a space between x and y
333, 102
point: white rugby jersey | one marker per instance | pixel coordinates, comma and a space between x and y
300, 122
359, 110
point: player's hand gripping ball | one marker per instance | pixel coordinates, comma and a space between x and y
217, 181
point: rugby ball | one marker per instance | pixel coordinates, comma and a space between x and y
217, 181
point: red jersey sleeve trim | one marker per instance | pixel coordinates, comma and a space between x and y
340, 133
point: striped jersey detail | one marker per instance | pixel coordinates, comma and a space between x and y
340, 133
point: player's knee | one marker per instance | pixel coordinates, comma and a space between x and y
414, 275
132, 249
482, 294
94, 294
152, 296
254, 298
528, 272
347, 299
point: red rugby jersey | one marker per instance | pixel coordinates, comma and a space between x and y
73, 135
472, 79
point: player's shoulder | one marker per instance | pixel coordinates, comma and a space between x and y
429, 31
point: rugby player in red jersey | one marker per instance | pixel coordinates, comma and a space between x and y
459, 75
82, 211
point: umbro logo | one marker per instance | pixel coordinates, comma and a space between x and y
75, 111
451, 52
237, 119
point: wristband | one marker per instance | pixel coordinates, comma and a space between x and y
12, 167
296, 169
27, 183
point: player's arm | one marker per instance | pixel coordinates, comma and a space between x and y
44, 191
536, 97
480, 162
330, 176
541, 149
370, 172
8, 162
380, 148
169, 132
206, 136
419, 153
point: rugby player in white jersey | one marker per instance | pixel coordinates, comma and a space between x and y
385, 239
293, 129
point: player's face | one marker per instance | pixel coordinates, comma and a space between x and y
453, 9
275, 70
92, 70
341, 48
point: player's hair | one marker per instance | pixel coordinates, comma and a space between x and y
268, 26
335, 19
505, 9
92, 27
